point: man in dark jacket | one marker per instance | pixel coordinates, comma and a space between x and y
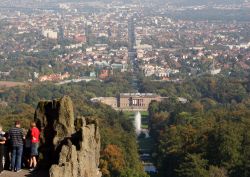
2, 142
16, 139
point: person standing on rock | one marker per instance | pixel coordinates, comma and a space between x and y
35, 134
16, 139
2, 142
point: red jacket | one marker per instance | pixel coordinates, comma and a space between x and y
35, 133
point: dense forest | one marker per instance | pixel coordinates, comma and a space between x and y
207, 136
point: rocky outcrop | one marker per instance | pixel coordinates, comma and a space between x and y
69, 147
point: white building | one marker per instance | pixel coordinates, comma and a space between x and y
50, 34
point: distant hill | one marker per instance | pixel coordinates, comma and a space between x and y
174, 2
198, 2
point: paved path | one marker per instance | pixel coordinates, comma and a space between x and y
24, 173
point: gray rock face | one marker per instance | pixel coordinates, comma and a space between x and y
71, 147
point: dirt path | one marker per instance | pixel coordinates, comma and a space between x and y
24, 173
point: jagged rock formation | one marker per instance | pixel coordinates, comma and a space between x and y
70, 147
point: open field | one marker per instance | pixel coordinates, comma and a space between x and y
12, 84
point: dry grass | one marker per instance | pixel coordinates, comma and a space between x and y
11, 84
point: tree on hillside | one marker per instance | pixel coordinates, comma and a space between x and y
192, 166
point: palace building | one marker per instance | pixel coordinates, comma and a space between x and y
130, 101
